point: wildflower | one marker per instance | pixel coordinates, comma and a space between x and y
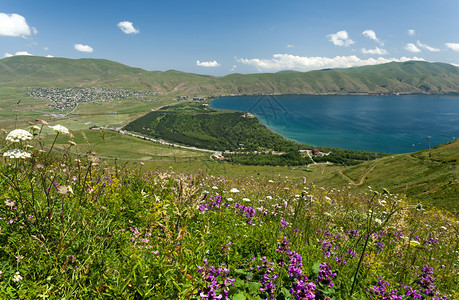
72, 143
17, 277
215, 187
303, 290
234, 190
42, 122
381, 290
326, 275
246, 199
18, 135
269, 197
213, 287
10, 203
64, 190
34, 128
283, 223
378, 221
17, 153
60, 129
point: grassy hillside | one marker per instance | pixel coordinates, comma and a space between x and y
407, 77
73, 227
429, 176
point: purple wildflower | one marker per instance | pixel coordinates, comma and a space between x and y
326, 275
303, 290
214, 289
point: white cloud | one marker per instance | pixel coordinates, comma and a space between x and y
290, 46
17, 53
411, 32
207, 64
378, 51
49, 55
83, 48
412, 48
372, 36
341, 38
453, 46
281, 62
427, 47
15, 25
127, 27
233, 68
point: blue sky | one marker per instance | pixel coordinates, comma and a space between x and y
221, 37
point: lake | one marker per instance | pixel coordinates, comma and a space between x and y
391, 124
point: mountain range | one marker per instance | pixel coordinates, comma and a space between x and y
412, 77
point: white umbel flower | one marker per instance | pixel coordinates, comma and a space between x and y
17, 153
17, 277
60, 129
234, 190
18, 135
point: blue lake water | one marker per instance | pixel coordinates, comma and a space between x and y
391, 124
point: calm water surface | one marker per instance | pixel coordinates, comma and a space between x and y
392, 124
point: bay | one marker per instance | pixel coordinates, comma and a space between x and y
390, 124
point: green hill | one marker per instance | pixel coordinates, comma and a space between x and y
407, 77
430, 176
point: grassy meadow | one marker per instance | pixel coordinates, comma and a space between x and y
74, 226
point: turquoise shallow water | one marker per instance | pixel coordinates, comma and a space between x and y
391, 124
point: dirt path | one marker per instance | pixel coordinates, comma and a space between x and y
362, 180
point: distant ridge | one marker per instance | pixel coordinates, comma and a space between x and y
412, 77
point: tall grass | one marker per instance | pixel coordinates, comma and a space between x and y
74, 227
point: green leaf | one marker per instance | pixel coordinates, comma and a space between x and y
239, 296
315, 268
232, 291
254, 287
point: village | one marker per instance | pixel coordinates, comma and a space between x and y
68, 98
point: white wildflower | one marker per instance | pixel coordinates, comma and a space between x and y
17, 277
10, 203
414, 243
64, 190
17, 153
269, 197
35, 128
229, 199
215, 187
60, 129
443, 227
234, 190
246, 199
18, 135
378, 221
270, 181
